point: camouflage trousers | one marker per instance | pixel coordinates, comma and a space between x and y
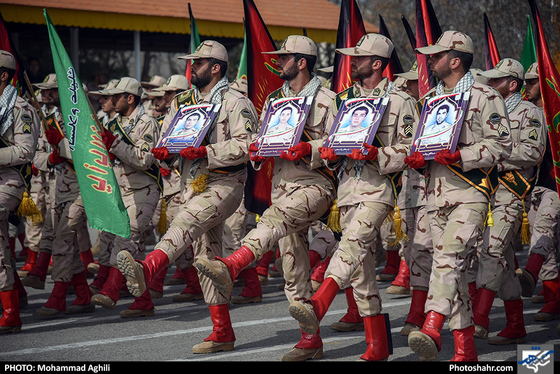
353, 263
455, 231
33, 231
418, 249
199, 225
544, 235
69, 219
287, 222
173, 206
496, 265
8, 203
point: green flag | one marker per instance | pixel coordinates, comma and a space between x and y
194, 42
242, 71
529, 51
98, 185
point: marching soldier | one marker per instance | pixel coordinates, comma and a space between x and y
212, 178
367, 194
19, 128
129, 139
460, 188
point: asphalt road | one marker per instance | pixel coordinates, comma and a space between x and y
264, 331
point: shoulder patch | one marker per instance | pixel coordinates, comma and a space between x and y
148, 138
495, 118
246, 113
502, 130
145, 147
26, 118
533, 135
534, 122
408, 121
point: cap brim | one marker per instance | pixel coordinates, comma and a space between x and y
278, 52
192, 56
431, 49
409, 75
531, 76
46, 86
353, 51
493, 73
114, 91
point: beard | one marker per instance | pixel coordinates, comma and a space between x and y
290, 73
201, 79
362, 72
441, 74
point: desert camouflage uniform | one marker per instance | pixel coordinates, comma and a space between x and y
201, 215
457, 211
300, 196
496, 270
366, 200
22, 139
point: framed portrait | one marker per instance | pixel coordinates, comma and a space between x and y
356, 123
283, 125
440, 124
189, 126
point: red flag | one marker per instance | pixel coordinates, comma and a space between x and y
491, 53
6, 45
427, 33
394, 66
350, 30
549, 80
262, 79
194, 42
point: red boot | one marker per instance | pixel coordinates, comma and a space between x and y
481, 312
192, 291
30, 262
391, 267
10, 321
551, 308
252, 292
401, 284
139, 273
156, 285
465, 349
100, 278
318, 273
416, 316
56, 302
314, 259
514, 332
310, 313
378, 338
351, 321
473, 293
427, 342
223, 271
264, 263
36, 277
222, 337
82, 303
87, 258
530, 274
141, 307
310, 347
108, 296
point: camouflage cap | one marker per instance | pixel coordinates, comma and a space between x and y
296, 44
412, 74
49, 82
7, 60
126, 85
533, 71
240, 84
174, 83
370, 45
449, 40
507, 67
103, 92
208, 49
155, 81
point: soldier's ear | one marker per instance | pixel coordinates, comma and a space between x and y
4, 76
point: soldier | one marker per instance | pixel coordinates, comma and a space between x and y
68, 219
19, 128
302, 191
129, 139
147, 101
517, 174
366, 196
213, 177
544, 238
460, 188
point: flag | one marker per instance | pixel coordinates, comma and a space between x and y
491, 54
549, 80
18, 81
529, 51
194, 42
394, 66
262, 79
428, 31
242, 70
98, 185
409, 33
350, 30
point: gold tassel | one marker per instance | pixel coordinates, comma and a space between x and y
257, 218
397, 222
489, 217
162, 223
199, 184
525, 232
333, 222
27, 208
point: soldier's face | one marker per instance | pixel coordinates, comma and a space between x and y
287, 67
501, 85
120, 102
361, 67
50, 96
532, 89
412, 88
439, 65
201, 75
106, 104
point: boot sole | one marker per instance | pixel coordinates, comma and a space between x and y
213, 347
423, 345
134, 275
223, 283
498, 340
527, 283
308, 322
9, 329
